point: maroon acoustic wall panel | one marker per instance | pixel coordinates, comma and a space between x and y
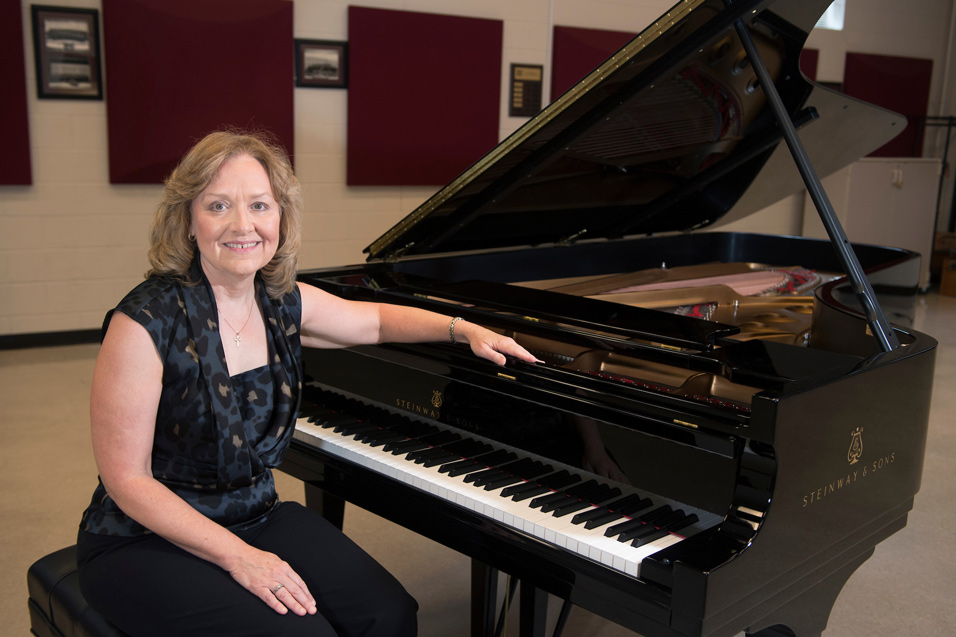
14, 123
424, 95
576, 52
809, 60
178, 69
896, 83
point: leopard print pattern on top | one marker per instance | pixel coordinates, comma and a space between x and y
217, 437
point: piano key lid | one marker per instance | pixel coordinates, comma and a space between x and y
671, 134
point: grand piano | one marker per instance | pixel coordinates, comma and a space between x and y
723, 425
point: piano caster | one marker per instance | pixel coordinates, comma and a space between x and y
774, 631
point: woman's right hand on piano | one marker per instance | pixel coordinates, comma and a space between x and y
490, 345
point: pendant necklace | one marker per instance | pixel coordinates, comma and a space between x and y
238, 338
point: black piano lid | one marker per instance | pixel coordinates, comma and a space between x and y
668, 135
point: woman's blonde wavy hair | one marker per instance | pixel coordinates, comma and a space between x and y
171, 250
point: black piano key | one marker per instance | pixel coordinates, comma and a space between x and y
477, 475
595, 514
430, 440
578, 491
528, 468
630, 530
651, 527
679, 522
583, 489
546, 500
637, 522
506, 470
478, 463
460, 467
552, 505
682, 524
502, 481
440, 460
603, 517
524, 491
603, 493
453, 450
614, 506
647, 538
424, 454
521, 478
415, 433
382, 437
405, 446
625, 502
379, 436
612, 511
569, 508
461, 454
560, 480
344, 426
357, 432
553, 482
434, 457
320, 416
640, 505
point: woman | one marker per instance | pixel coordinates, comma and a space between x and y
194, 399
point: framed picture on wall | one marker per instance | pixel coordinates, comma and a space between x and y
66, 50
321, 63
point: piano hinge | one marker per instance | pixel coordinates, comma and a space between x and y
398, 253
530, 318
571, 238
686, 424
507, 376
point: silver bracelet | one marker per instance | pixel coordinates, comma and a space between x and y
451, 329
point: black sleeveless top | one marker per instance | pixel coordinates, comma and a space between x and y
217, 437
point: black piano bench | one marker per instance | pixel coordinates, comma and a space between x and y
57, 608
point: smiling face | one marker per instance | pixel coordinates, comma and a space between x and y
236, 221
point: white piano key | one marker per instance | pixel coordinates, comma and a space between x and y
558, 531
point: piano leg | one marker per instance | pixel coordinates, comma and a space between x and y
331, 507
534, 611
484, 593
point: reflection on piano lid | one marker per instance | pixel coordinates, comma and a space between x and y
732, 377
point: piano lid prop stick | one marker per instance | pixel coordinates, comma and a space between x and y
874, 313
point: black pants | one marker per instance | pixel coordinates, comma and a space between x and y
148, 586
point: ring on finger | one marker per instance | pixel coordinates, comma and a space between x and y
275, 591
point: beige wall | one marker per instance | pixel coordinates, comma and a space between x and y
72, 244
